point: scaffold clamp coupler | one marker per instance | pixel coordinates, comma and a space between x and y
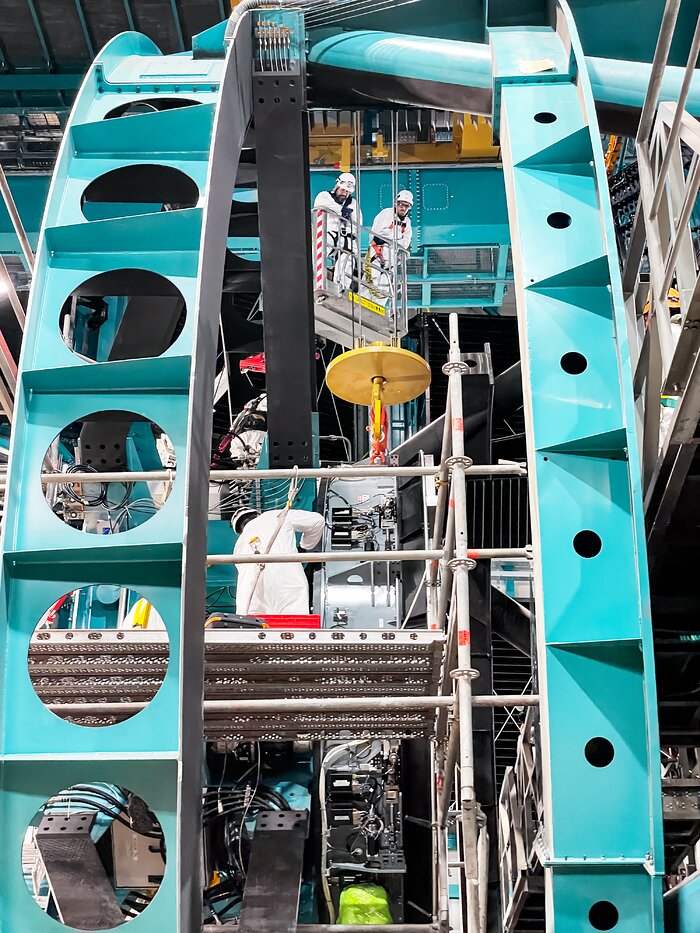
458, 562
464, 462
455, 366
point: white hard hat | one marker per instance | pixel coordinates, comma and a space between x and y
345, 180
405, 196
239, 515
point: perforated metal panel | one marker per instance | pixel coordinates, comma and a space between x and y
108, 667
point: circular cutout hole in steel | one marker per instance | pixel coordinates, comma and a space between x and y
587, 544
136, 108
133, 190
116, 820
599, 752
603, 915
123, 314
118, 654
574, 363
559, 220
108, 507
545, 116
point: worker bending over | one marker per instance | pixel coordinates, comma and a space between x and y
276, 589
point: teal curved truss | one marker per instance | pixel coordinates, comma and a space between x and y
157, 753
602, 846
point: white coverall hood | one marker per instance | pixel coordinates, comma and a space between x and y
281, 589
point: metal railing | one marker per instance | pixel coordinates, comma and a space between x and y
344, 268
521, 813
664, 345
498, 512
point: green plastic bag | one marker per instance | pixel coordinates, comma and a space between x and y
364, 905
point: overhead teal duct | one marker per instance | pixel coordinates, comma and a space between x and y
444, 73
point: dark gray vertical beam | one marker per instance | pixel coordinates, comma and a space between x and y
282, 154
233, 115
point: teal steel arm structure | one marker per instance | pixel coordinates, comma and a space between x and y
157, 754
602, 847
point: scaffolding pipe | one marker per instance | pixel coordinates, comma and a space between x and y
446, 582
483, 856
443, 482
6, 280
502, 700
283, 705
437, 891
361, 472
448, 780
658, 307
294, 705
443, 880
677, 118
375, 928
322, 557
663, 47
339, 928
689, 201
16, 220
455, 368
327, 704
441, 875
449, 653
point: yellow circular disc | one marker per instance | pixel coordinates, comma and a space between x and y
406, 375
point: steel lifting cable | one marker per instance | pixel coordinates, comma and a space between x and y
325, 13
317, 13
394, 195
358, 175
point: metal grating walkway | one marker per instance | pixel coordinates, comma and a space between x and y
127, 667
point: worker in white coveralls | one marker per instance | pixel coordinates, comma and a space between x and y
393, 225
341, 204
391, 229
343, 219
276, 589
